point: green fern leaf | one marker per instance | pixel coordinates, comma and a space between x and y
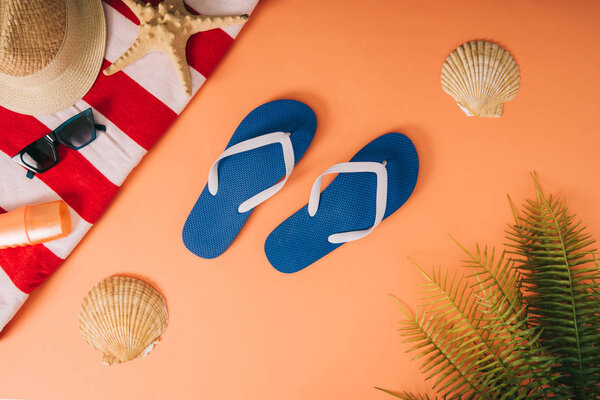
433, 339
524, 327
561, 281
504, 315
413, 396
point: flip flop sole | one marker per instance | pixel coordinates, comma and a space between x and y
214, 221
347, 204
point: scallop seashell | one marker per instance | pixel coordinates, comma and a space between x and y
123, 318
481, 76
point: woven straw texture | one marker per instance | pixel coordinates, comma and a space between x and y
481, 77
31, 33
122, 317
53, 51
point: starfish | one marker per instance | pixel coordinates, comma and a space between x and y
167, 28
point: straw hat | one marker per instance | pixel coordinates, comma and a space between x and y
51, 52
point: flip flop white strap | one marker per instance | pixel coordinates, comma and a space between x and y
270, 138
380, 202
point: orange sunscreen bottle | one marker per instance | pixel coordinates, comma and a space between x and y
34, 224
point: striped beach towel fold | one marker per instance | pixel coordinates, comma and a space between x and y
137, 106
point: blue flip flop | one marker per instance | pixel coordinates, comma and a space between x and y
248, 172
350, 207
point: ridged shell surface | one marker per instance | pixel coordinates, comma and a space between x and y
481, 76
122, 317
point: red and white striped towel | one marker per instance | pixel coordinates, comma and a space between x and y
137, 106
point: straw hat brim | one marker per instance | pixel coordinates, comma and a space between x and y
73, 71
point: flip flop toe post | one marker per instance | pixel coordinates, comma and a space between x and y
376, 182
255, 165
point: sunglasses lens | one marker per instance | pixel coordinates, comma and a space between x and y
77, 133
39, 155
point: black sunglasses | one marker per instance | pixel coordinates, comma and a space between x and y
75, 133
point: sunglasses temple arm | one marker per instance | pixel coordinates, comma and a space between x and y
100, 127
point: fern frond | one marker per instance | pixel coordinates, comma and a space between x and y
515, 328
475, 332
504, 316
495, 276
436, 342
555, 258
412, 396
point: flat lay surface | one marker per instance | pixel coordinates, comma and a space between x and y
237, 327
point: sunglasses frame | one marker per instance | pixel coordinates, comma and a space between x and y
53, 139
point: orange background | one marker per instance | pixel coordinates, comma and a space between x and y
238, 328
